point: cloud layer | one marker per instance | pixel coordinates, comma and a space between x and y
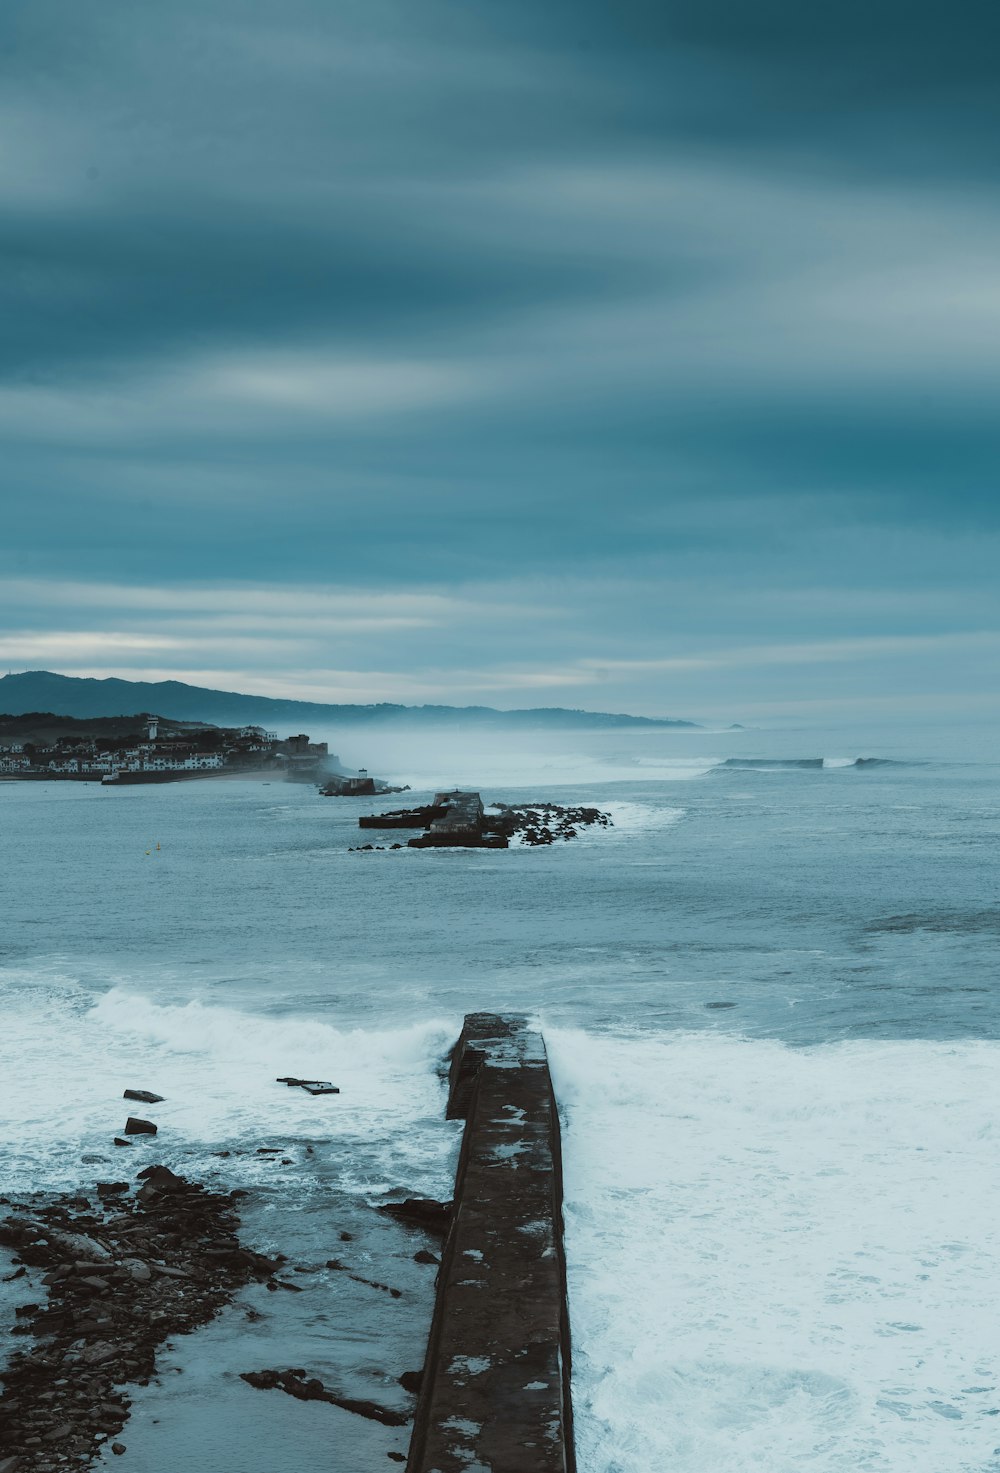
440, 350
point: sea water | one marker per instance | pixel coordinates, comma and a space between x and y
769, 995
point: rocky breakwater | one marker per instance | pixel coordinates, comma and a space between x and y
459, 820
123, 1269
544, 823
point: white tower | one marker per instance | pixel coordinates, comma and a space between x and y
153, 727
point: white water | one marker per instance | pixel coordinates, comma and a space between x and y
782, 1259
70, 1059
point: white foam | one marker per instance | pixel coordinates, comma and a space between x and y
628, 819
781, 1259
67, 1061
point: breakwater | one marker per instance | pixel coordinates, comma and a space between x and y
459, 820
495, 1391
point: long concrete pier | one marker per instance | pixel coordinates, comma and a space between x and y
495, 1396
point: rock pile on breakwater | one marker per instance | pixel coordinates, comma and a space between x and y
124, 1271
544, 823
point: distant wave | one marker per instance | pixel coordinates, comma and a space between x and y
793, 764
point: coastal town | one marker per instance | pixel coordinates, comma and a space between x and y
136, 749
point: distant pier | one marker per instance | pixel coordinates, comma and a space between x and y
496, 1384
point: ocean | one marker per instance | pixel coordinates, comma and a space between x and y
770, 1000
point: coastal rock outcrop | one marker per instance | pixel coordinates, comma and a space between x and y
123, 1273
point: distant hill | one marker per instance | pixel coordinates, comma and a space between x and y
69, 695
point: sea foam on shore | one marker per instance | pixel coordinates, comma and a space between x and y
781, 1258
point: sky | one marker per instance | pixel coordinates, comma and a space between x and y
629, 356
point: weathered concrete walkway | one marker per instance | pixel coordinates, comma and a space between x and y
496, 1388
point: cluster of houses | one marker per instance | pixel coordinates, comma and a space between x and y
180, 751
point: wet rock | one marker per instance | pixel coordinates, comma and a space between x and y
118, 1141
135, 1126
311, 1086
162, 1179
304, 1387
424, 1256
144, 1096
412, 1381
118, 1448
422, 1212
374, 1284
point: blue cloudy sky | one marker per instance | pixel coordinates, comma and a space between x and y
633, 355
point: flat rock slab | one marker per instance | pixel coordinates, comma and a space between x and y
496, 1390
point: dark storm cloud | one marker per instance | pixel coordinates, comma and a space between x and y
390, 294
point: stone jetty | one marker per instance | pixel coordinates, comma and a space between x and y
495, 1390
459, 820
452, 820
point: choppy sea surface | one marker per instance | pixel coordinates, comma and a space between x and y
770, 998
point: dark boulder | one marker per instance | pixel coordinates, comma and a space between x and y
422, 1212
135, 1126
162, 1179
146, 1096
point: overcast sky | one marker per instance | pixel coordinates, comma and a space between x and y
598, 353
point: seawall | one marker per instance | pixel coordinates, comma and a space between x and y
496, 1386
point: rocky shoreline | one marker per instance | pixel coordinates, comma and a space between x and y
124, 1271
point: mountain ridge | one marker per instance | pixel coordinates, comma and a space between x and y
86, 696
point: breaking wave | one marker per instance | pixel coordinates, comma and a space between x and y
70, 1058
794, 764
